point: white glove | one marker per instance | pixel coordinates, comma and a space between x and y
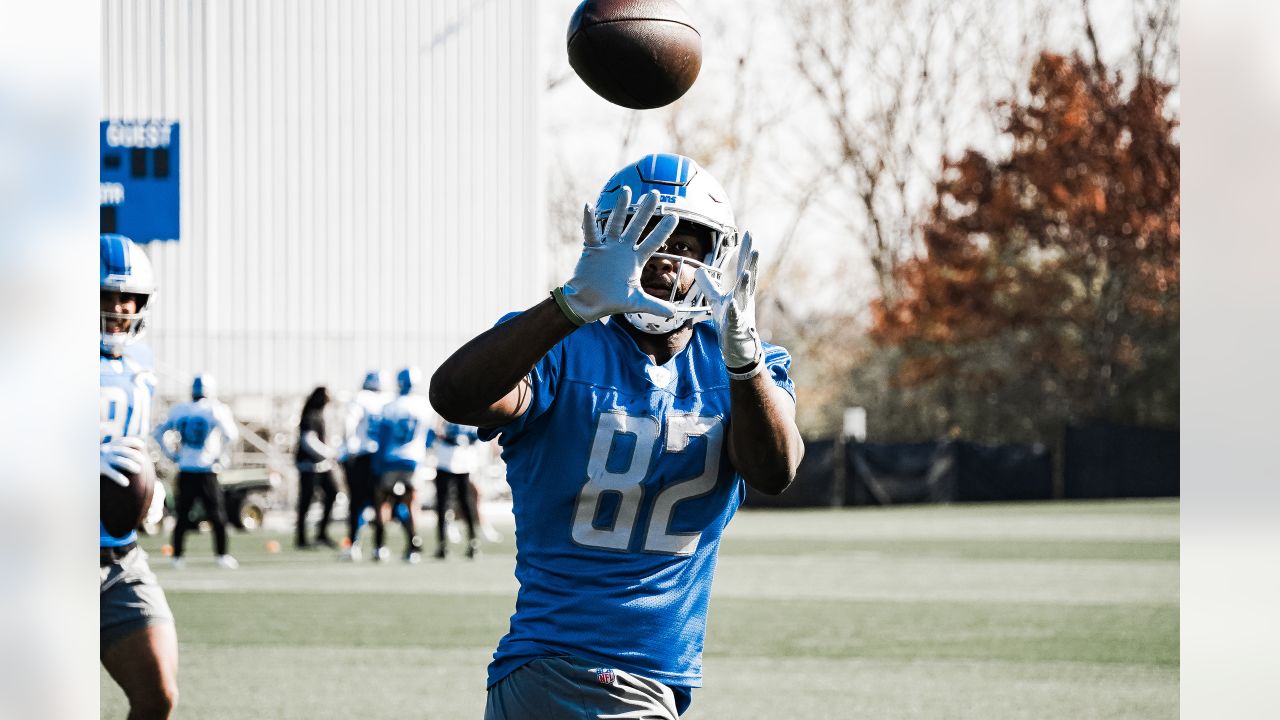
155, 513
606, 280
734, 313
125, 453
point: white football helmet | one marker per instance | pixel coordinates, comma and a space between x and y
124, 267
689, 192
203, 386
408, 379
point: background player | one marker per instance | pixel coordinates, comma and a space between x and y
627, 443
402, 448
359, 446
205, 430
137, 641
455, 447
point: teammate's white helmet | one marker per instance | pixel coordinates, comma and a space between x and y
407, 379
124, 267
689, 192
203, 386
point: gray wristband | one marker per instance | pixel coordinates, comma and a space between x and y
558, 296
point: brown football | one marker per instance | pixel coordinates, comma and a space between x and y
639, 54
123, 508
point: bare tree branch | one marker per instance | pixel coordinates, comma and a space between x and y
1093, 39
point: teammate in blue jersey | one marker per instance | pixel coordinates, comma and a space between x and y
138, 644
631, 407
360, 443
402, 447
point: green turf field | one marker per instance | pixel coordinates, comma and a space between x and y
990, 612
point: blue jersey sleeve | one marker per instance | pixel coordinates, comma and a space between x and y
543, 379
778, 362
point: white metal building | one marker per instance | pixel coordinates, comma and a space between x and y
359, 180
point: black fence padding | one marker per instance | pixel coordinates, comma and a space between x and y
1105, 461
1003, 472
814, 481
893, 473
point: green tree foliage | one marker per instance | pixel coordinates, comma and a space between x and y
1047, 289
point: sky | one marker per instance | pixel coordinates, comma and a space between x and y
586, 138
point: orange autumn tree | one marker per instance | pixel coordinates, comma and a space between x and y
1047, 289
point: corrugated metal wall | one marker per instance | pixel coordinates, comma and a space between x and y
359, 179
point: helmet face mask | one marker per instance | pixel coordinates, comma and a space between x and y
124, 274
691, 302
122, 323
690, 193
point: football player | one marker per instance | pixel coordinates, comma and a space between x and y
631, 406
402, 447
138, 644
455, 448
206, 430
360, 432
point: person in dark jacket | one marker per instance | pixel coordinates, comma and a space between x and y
315, 469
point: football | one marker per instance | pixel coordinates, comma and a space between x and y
639, 54
123, 508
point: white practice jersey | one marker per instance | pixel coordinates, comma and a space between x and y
124, 391
359, 427
402, 433
206, 430
456, 447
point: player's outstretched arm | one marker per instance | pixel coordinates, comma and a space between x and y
764, 442
484, 383
159, 435
229, 426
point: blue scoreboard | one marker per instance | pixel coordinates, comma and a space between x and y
139, 179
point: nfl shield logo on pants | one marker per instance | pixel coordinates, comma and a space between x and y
604, 676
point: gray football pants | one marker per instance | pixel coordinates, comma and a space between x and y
570, 688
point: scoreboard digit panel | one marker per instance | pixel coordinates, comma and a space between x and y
139, 194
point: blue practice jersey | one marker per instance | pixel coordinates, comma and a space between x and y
621, 485
125, 391
360, 423
206, 431
402, 428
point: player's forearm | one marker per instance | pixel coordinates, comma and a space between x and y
764, 442
478, 384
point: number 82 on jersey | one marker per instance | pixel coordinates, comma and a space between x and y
628, 485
